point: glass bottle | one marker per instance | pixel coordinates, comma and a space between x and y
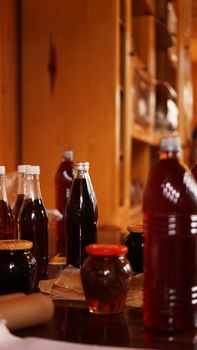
33, 220
170, 250
63, 181
86, 166
20, 192
7, 224
80, 217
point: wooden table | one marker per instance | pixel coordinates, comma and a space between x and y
72, 322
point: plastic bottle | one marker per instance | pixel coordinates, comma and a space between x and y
33, 220
20, 192
63, 181
194, 167
81, 217
170, 251
7, 224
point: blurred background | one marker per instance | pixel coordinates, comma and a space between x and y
103, 78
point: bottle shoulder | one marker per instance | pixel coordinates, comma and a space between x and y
171, 188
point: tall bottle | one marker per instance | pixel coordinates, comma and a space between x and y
7, 224
21, 171
63, 181
170, 251
33, 220
194, 167
81, 216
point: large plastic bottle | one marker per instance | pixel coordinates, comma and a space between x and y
33, 220
63, 181
7, 224
81, 216
170, 251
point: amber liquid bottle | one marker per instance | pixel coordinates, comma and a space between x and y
7, 225
81, 216
33, 220
170, 250
20, 193
63, 181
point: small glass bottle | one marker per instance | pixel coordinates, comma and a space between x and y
7, 224
63, 181
20, 192
170, 234
106, 275
33, 219
80, 217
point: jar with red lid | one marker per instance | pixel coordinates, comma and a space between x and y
106, 274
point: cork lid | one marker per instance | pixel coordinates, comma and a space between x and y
15, 244
135, 228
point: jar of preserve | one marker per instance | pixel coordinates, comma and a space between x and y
106, 275
18, 267
135, 243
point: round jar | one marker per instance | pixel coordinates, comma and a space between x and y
17, 266
106, 275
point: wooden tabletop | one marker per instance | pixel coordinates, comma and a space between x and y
74, 323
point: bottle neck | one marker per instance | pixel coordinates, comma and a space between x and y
170, 155
79, 174
3, 193
32, 188
21, 183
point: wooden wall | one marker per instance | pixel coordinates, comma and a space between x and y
68, 94
9, 92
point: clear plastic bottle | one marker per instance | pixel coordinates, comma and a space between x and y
7, 224
170, 251
63, 181
33, 220
81, 217
21, 170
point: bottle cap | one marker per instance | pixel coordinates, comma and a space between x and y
86, 165
2, 169
33, 170
68, 154
79, 166
106, 249
22, 168
170, 143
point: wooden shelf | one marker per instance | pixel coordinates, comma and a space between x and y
152, 138
143, 7
163, 37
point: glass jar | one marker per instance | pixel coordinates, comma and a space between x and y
17, 267
135, 243
106, 275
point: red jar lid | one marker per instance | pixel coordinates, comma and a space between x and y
106, 249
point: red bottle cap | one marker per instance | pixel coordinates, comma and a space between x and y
106, 249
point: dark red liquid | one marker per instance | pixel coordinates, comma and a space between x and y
170, 251
63, 181
18, 271
7, 224
194, 171
33, 226
16, 208
106, 281
81, 222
